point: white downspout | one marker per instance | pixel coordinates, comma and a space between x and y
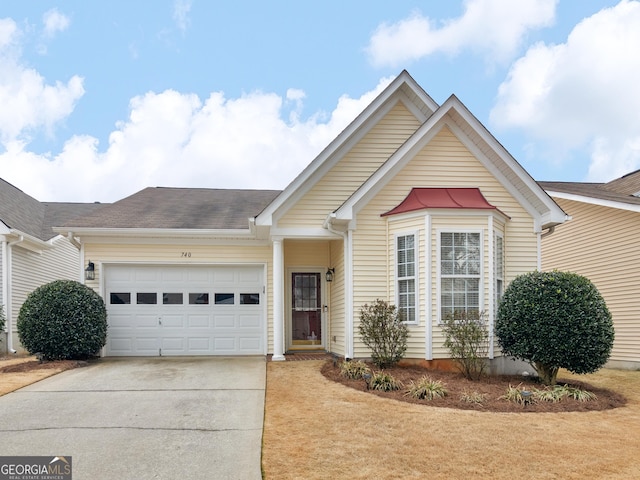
6, 289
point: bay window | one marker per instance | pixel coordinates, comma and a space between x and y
460, 272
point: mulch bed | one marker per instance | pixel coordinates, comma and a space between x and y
491, 387
31, 365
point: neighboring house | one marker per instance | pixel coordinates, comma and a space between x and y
600, 242
413, 203
31, 253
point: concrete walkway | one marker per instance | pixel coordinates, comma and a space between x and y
144, 418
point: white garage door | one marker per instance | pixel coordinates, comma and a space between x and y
167, 310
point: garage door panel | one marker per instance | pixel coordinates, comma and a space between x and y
249, 344
173, 321
173, 345
249, 321
198, 321
146, 275
145, 346
122, 345
224, 321
224, 344
121, 321
145, 321
189, 310
200, 344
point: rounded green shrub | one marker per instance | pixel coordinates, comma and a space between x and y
555, 320
63, 319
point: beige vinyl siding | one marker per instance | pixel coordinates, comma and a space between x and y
30, 270
407, 226
336, 291
352, 170
306, 253
199, 255
1, 279
600, 243
444, 162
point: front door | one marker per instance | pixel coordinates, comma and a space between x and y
306, 310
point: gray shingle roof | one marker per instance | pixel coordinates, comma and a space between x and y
180, 208
619, 190
21, 212
24, 213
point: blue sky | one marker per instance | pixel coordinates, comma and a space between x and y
101, 99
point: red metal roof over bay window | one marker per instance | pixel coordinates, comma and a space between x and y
422, 198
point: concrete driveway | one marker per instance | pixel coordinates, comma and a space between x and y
144, 418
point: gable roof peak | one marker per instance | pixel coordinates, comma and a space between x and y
402, 88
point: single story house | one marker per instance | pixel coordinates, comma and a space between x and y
600, 243
31, 253
414, 203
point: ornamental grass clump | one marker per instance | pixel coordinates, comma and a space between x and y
473, 397
355, 369
426, 389
384, 381
558, 393
517, 395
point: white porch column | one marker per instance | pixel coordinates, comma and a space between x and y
278, 301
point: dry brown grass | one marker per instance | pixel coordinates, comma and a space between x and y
18, 372
317, 429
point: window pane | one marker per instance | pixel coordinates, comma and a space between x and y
120, 298
249, 299
172, 298
147, 298
198, 299
224, 299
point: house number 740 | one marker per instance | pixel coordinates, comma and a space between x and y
186, 254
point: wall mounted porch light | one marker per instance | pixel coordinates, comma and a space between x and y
90, 271
329, 275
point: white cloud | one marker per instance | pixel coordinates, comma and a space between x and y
493, 28
176, 139
54, 22
181, 10
582, 94
8, 33
28, 102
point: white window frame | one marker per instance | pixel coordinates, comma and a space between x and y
498, 270
414, 277
440, 276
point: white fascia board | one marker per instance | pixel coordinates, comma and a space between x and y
554, 215
424, 135
26, 241
156, 232
451, 212
595, 201
343, 143
308, 233
393, 165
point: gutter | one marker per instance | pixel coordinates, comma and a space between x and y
549, 231
73, 240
